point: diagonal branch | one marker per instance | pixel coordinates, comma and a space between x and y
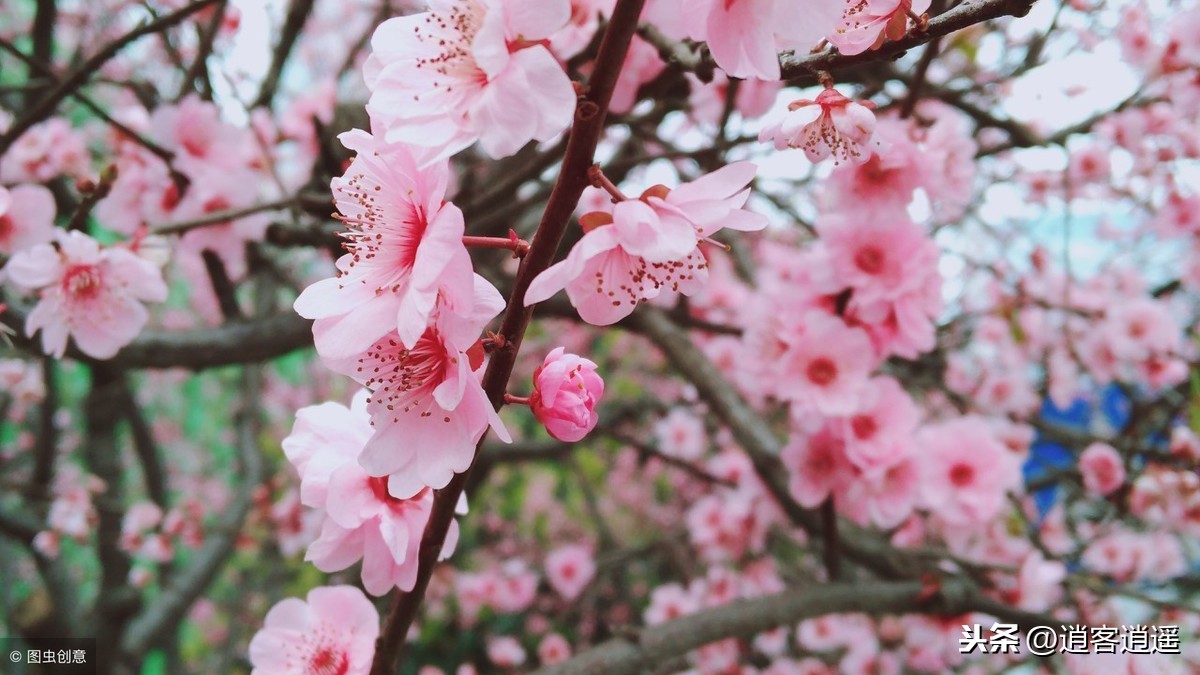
590, 114
293, 24
80, 74
755, 436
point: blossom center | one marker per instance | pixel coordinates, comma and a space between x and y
874, 172
170, 198
82, 282
379, 488
403, 380
961, 475
822, 371
869, 259
328, 661
381, 239
6, 227
452, 36
864, 426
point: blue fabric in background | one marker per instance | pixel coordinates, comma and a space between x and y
1047, 457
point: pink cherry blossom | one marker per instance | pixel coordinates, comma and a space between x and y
1039, 582
140, 520
333, 631
681, 434
831, 126
881, 262
887, 496
745, 36
87, 293
827, 364
47, 150
505, 652
471, 70
707, 100
865, 24
966, 471
26, 217
581, 27
506, 588
817, 465
566, 390
553, 649
569, 569
364, 521
1102, 468
605, 274
427, 407
642, 65
1089, 165
886, 414
72, 513
405, 248
882, 186
670, 601
194, 129
711, 203
948, 156
726, 526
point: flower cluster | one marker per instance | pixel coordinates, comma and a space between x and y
648, 246
91, 294
363, 519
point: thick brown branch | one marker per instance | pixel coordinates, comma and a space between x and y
116, 601
250, 341
584, 136
746, 618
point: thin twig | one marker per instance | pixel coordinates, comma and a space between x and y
157, 150
293, 24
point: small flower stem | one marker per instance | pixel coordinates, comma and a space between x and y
509, 399
599, 180
494, 341
920, 22
519, 247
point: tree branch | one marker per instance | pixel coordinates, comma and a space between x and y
46, 450
746, 618
153, 472
584, 136
116, 601
752, 432
234, 342
802, 70
153, 623
198, 71
78, 76
293, 24
46, 71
